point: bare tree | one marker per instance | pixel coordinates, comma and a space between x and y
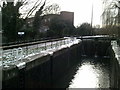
111, 13
111, 16
30, 7
51, 9
14, 20
26, 7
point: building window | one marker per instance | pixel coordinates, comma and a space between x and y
45, 20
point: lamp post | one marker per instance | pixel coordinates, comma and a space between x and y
21, 34
92, 19
92, 16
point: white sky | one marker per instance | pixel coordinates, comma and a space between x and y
82, 10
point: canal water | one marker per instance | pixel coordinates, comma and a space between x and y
89, 73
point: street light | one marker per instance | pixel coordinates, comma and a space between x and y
92, 19
21, 34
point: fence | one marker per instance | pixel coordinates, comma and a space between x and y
14, 53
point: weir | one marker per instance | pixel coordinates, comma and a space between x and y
44, 70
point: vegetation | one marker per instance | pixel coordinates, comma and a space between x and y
85, 29
14, 21
111, 17
11, 21
60, 28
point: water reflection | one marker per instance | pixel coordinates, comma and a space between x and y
92, 73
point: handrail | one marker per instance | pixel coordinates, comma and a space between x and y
15, 53
28, 44
97, 37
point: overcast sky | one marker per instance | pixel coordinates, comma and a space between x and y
82, 10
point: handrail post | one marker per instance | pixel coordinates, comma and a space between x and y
45, 46
51, 44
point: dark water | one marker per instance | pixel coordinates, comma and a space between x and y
89, 73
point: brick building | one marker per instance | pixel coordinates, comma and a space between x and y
64, 15
68, 16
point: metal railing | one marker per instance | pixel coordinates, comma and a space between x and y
9, 55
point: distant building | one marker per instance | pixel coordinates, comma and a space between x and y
64, 15
47, 18
30, 21
68, 16
46, 22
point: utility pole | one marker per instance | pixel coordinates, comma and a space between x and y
92, 18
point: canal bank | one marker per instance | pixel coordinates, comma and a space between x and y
41, 70
98, 67
45, 71
115, 65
